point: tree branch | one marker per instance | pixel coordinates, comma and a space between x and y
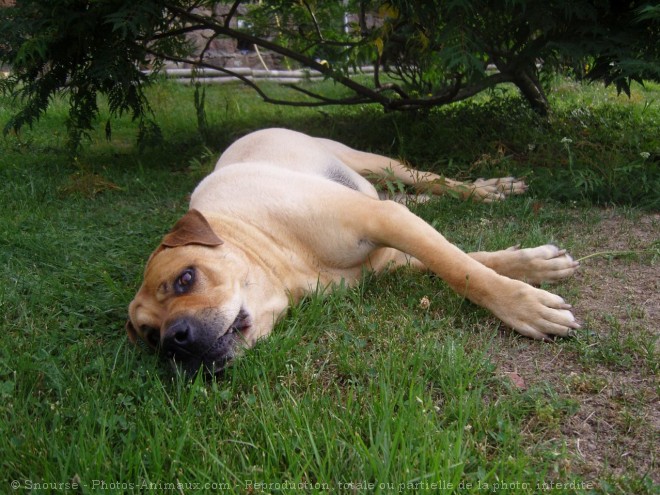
175, 32
363, 94
323, 101
232, 12
314, 21
478, 87
393, 87
268, 45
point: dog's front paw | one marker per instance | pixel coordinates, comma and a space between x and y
489, 190
534, 312
541, 264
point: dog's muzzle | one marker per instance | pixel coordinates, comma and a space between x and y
193, 343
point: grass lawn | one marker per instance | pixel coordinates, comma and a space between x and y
366, 390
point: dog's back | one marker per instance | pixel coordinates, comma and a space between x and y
283, 148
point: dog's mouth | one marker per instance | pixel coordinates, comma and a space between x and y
227, 346
241, 324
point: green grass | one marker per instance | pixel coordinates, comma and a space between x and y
362, 390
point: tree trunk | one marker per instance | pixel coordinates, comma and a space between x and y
531, 89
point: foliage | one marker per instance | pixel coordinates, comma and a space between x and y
425, 53
453, 43
82, 49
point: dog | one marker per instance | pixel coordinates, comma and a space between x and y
284, 214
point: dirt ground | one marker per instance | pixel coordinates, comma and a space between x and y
611, 372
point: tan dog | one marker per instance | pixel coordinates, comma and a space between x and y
284, 213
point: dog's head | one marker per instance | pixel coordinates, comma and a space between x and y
190, 305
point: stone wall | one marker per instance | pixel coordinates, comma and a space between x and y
229, 53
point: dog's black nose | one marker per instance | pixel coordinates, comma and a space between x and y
180, 338
191, 343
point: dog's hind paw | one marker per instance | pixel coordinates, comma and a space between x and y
489, 190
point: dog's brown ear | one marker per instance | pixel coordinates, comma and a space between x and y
192, 228
132, 333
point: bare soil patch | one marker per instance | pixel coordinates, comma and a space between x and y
611, 370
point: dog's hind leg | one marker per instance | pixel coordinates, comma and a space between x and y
378, 168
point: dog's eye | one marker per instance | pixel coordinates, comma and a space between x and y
185, 281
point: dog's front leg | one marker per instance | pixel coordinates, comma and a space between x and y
532, 312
